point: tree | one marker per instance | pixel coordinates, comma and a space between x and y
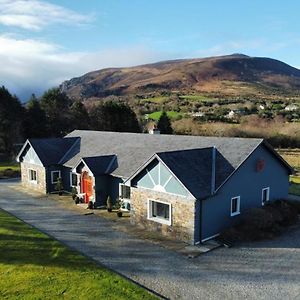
57, 109
35, 122
11, 113
164, 124
114, 116
80, 116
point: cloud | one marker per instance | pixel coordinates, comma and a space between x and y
35, 15
32, 66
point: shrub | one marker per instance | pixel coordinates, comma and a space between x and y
109, 204
264, 222
74, 192
90, 205
59, 186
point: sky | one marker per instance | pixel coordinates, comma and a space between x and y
43, 43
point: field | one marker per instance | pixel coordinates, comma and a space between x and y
171, 114
33, 265
292, 156
9, 165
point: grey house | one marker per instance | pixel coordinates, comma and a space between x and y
186, 187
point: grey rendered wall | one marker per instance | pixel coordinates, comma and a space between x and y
114, 187
101, 189
65, 175
107, 185
247, 183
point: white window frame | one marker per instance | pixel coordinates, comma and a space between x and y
238, 206
71, 181
59, 176
157, 219
262, 195
120, 191
29, 175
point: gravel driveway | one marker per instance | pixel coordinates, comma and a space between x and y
265, 270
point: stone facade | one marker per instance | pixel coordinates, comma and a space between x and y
182, 214
40, 184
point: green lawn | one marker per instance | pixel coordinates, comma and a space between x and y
9, 165
171, 114
157, 100
34, 266
295, 185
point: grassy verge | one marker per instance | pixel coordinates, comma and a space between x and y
295, 185
9, 165
32, 265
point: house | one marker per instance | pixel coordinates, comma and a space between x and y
291, 107
186, 187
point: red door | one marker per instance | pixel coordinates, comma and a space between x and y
87, 186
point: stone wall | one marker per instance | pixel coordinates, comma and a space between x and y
182, 215
40, 185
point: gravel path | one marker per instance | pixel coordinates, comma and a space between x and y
265, 270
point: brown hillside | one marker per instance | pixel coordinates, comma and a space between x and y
225, 76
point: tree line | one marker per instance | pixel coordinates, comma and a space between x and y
54, 115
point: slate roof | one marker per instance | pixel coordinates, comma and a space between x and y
101, 165
194, 168
134, 149
52, 150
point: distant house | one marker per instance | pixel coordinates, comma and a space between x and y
291, 107
186, 187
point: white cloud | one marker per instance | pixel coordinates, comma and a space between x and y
35, 15
33, 66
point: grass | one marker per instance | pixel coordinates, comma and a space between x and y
35, 266
295, 185
15, 166
171, 114
157, 100
195, 98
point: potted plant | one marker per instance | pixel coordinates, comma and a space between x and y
74, 192
59, 186
109, 204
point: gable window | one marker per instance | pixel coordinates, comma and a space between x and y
124, 191
159, 212
265, 195
235, 206
73, 179
32, 175
54, 176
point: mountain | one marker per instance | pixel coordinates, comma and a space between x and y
234, 75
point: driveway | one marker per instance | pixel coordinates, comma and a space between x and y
265, 270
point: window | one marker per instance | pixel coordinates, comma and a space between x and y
159, 212
73, 179
265, 195
124, 191
32, 175
54, 176
235, 206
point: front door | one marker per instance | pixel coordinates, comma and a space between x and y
87, 186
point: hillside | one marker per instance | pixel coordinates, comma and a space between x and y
232, 76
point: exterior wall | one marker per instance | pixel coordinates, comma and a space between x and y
40, 185
247, 183
31, 157
101, 189
114, 187
65, 175
182, 214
